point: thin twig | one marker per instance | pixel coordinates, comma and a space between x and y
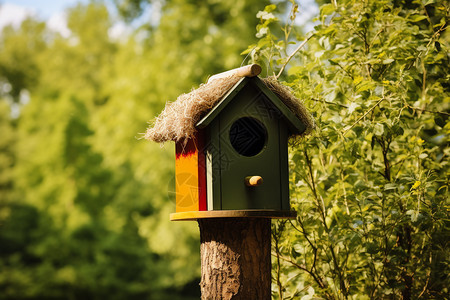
348, 73
321, 207
428, 280
376, 35
331, 103
317, 279
442, 28
362, 117
292, 55
277, 249
430, 111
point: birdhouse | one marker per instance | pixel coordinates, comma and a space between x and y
231, 138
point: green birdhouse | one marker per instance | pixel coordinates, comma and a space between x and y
231, 139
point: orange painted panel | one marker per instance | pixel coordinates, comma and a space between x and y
190, 175
186, 177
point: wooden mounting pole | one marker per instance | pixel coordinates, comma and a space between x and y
235, 257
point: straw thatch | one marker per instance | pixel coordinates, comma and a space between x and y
177, 121
295, 105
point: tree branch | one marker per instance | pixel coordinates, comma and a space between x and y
292, 55
278, 254
429, 111
331, 103
362, 117
319, 280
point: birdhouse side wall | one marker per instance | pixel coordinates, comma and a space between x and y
284, 165
213, 166
190, 176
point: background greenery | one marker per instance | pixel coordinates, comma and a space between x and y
84, 204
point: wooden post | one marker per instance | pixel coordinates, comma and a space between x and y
235, 257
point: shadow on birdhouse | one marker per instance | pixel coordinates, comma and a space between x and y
231, 137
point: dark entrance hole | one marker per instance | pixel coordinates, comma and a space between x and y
248, 136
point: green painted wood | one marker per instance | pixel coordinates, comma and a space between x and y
284, 165
213, 166
227, 169
234, 194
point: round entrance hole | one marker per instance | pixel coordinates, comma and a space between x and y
248, 136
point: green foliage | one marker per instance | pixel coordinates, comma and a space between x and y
371, 184
6, 154
130, 9
24, 48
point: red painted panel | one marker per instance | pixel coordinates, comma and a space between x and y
201, 171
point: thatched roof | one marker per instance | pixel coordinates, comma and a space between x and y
178, 119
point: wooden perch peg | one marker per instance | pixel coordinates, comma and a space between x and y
253, 180
246, 71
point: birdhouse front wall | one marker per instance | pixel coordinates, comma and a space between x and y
247, 139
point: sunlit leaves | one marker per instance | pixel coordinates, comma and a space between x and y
370, 183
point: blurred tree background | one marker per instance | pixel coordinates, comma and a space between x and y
84, 203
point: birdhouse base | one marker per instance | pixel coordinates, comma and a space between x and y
267, 214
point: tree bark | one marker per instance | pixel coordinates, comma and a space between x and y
235, 258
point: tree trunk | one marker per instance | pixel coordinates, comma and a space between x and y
235, 258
